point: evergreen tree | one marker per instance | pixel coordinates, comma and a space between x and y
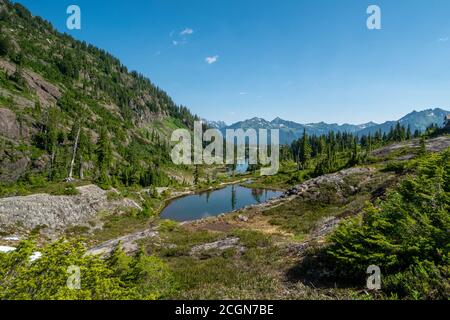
416, 133
196, 175
104, 156
354, 160
408, 133
423, 146
304, 154
406, 235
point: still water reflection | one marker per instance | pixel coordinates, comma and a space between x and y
215, 202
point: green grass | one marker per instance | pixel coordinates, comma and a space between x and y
217, 274
38, 184
178, 240
287, 176
115, 226
257, 273
300, 216
227, 274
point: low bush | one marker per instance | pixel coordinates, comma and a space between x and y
406, 235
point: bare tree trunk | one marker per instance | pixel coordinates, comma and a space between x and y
75, 147
81, 168
52, 162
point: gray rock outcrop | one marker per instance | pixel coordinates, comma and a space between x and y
56, 213
224, 244
128, 243
332, 188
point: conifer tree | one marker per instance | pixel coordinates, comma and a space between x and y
423, 146
304, 151
196, 175
104, 155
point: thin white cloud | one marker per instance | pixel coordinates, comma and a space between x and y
181, 38
243, 93
187, 31
211, 60
445, 39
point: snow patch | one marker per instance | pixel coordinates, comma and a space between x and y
35, 256
6, 249
14, 238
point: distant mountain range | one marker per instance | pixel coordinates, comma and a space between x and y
290, 130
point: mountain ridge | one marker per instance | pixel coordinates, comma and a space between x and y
291, 130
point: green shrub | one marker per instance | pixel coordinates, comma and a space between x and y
423, 280
113, 196
147, 210
168, 225
70, 190
36, 180
5, 46
395, 166
118, 277
406, 235
149, 276
63, 190
296, 178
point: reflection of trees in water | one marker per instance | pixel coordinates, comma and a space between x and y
233, 197
256, 193
208, 194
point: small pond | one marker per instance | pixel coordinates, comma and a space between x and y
215, 202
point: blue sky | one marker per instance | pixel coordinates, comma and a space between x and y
306, 61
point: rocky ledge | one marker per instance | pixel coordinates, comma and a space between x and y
56, 213
334, 187
129, 243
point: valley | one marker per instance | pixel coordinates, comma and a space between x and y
265, 242
87, 180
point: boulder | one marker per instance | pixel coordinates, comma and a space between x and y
242, 218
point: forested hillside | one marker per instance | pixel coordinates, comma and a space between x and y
71, 110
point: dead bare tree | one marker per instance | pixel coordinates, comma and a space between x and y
75, 147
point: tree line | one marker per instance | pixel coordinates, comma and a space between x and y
330, 152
